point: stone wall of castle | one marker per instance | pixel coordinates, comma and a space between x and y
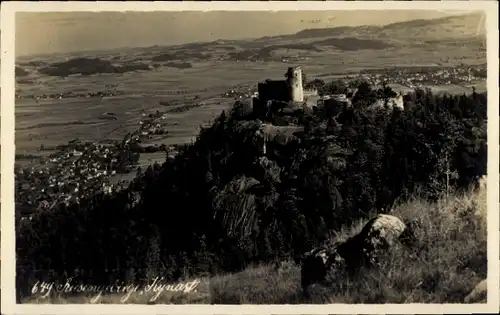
294, 79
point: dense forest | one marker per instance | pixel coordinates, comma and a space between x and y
223, 203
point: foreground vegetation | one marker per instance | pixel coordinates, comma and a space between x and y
222, 205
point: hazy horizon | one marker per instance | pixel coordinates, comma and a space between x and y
64, 32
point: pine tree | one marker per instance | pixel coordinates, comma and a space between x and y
153, 259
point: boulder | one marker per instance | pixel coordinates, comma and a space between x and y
362, 249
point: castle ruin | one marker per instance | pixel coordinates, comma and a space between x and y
289, 91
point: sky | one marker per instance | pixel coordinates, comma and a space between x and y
51, 32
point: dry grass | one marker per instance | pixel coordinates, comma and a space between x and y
452, 261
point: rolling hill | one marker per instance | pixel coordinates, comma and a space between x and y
447, 31
434, 34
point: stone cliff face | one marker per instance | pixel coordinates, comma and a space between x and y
393, 102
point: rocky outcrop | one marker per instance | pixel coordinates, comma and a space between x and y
481, 182
280, 134
315, 266
382, 231
393, 102
377, 236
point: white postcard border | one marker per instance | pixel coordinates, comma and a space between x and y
8, 10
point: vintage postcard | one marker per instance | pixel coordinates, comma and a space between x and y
250, 157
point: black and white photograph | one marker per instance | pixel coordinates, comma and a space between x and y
251, 157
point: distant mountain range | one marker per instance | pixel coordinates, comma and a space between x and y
467, 26
467, 29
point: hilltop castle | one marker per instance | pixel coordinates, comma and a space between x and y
288, 90
289, 93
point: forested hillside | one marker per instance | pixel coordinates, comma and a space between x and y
222, 204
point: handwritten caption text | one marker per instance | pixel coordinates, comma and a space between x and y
44, 289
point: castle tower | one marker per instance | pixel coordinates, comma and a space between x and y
294, 80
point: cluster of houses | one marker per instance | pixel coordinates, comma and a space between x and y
80, 169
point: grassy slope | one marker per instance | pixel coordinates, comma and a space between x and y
452, 264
